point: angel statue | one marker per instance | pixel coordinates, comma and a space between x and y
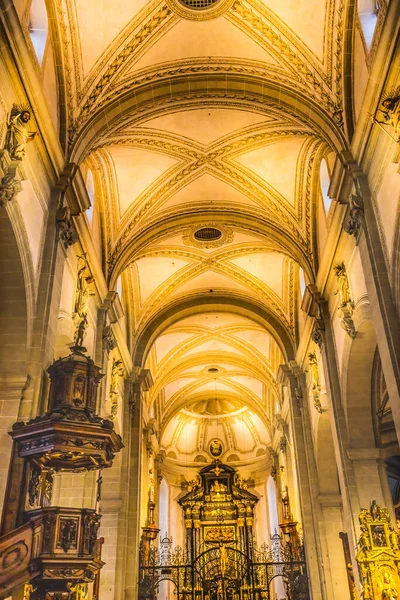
18, 134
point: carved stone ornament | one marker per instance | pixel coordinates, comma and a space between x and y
66, 230
10, 181
109, 342
378, 556
355, 219
347, 324
317, 335
390, 110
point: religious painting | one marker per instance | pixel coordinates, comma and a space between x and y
215, 448
379, 536
68, 533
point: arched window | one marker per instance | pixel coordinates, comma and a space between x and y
325, 180
302, 282
119, 287
38, 27
272, 506
90, 191
368, 12
164, 508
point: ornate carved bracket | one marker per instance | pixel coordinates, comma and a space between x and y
355, 219
66, 230
317, 335
109, 342
10, 181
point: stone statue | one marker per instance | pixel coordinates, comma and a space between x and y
18, 134
82, 295
82, 289
388, 591
314, 374
151, 487
218, 487
343, 285
390, 109
117, 372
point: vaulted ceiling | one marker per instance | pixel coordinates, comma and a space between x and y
210, 119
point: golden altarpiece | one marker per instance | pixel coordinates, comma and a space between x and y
378, 556
220, 560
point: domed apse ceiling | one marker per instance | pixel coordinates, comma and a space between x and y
214, 379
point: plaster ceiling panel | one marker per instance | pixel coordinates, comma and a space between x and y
136, 170
154, 271
175, 386
253, 384
215, 320
305, 19
212, 190
100, 21
169, 431
259, 339
204, 125
260, 427
214, 346
170, 341
208, 281
203, 39
214, 388
214, 406
244, 440
276, 164
188, 439
267, 267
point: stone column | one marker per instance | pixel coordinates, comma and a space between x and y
307, 475
131, 474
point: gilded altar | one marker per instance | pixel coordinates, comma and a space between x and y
378, 555
220, 559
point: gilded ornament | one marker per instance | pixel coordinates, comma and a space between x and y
378, 556
390, 110
215, 448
